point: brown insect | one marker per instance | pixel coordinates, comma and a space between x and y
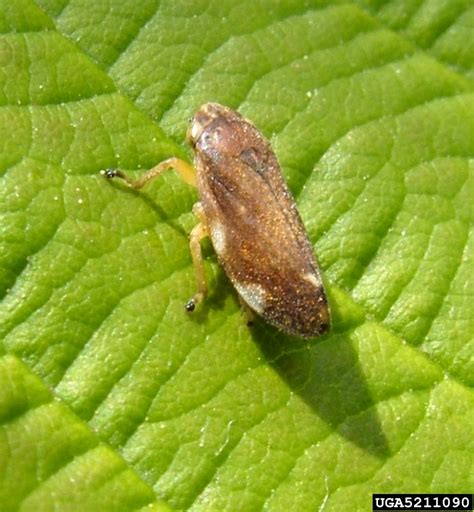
250, 215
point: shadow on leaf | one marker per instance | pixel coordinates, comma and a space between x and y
327, 375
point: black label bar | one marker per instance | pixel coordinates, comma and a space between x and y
422, 502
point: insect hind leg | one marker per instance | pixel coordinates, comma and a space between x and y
185, 170
249, 315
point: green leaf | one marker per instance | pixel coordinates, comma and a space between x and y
112, 398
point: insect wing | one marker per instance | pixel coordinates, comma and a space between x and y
254, 225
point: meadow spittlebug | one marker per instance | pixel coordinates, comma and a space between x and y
248, 212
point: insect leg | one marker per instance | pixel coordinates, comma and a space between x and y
185, 170
198, 210
199, 232
247, 311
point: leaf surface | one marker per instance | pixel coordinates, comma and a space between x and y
112, 397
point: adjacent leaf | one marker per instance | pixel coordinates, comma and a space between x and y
370, 109
50, 459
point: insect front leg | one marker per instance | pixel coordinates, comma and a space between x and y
199, 232
185, 170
